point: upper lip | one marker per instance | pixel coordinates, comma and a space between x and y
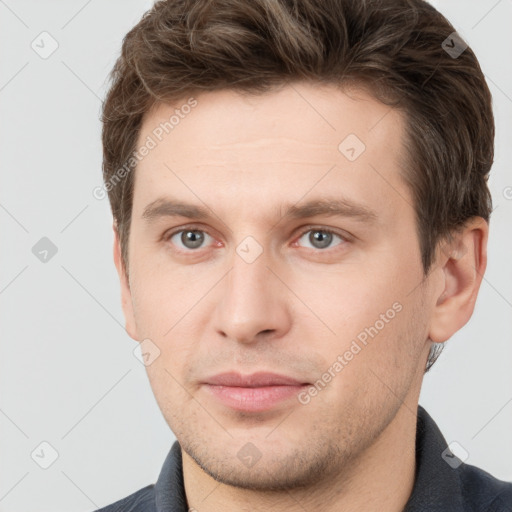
254, 380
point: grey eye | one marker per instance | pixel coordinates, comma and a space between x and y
319, 238
190, 238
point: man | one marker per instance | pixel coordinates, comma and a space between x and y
300, 203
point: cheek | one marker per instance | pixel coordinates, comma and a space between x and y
161, 295
377, 373
379, 328
350, 300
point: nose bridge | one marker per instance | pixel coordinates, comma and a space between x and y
248, 290
249, 280
250, 299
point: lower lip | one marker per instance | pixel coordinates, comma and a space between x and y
254, 399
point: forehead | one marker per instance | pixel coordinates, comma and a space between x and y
302, 139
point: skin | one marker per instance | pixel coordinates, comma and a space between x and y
298, 306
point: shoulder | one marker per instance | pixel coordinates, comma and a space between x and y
484, 492
141, 501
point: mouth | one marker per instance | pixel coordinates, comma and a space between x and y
257, 392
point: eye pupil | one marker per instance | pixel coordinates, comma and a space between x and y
320, 239
192, 239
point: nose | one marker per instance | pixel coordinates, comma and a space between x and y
253, 303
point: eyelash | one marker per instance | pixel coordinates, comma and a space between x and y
344, 238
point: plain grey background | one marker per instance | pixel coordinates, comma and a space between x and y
68, 373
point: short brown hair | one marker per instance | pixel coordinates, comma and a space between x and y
392, 48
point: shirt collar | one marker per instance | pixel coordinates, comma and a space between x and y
170, 488
437, 486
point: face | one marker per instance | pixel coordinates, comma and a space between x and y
273, 234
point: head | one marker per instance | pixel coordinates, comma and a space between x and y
292, 182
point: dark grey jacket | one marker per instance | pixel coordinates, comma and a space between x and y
439, 485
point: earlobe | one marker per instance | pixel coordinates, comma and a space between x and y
126, 295
463, 263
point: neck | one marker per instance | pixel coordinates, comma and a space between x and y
382, 478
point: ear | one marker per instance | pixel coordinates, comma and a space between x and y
463, 261
126, 294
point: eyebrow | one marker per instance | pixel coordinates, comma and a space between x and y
341, 207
